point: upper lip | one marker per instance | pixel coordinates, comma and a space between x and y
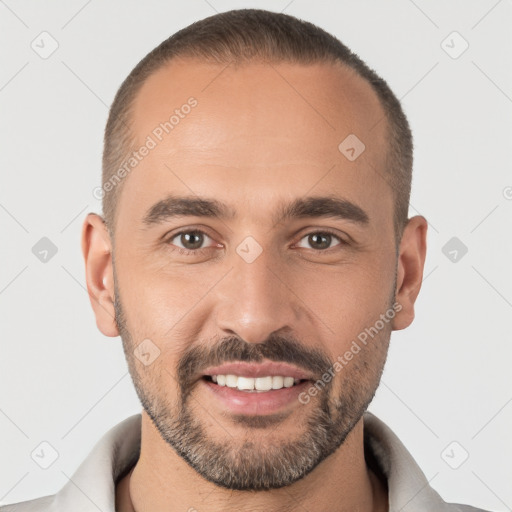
244, 369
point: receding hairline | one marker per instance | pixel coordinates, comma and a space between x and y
349, 84
236, 64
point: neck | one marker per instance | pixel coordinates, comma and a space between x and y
162, 480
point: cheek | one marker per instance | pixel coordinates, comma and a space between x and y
350, 301
157, 295
359, 355
350, 297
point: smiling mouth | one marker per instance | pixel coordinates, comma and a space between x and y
263, 384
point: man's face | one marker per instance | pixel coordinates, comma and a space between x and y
255, 286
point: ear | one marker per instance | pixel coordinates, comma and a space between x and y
411, 260
97, 251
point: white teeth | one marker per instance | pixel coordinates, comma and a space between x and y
288, 382
245, 383
263, 383
231, 381
277, 382
255, 384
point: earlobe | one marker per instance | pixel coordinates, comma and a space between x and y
97, 252
411, 261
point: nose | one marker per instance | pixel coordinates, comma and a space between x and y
256, 300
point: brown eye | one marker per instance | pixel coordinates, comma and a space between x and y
320, 240
189, 240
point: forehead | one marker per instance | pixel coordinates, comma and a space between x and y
264, 129
252, 97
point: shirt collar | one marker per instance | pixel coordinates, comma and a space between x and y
408, 488
92, 486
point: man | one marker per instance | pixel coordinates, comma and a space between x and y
254, 256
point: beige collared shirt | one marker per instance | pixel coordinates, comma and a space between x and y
92, 486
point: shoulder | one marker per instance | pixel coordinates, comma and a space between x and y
456, 507
93, 483
406, 481
43, 504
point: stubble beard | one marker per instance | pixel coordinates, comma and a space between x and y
263, 462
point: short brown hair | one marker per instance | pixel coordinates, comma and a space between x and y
253, 34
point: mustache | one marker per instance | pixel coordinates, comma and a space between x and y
276, 348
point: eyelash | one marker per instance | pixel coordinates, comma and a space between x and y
191, 252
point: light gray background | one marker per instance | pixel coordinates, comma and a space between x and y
447, 377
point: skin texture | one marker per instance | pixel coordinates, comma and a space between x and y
260, 135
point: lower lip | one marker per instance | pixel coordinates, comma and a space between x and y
256, 403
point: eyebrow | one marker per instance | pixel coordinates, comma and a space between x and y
309, 207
